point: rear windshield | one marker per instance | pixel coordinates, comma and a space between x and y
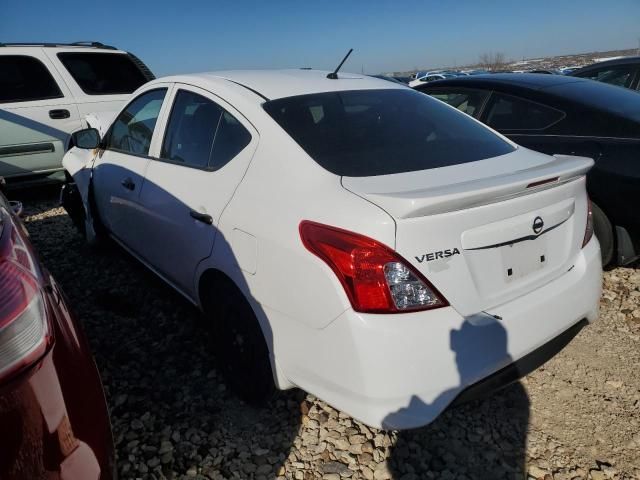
362, 133
103, 73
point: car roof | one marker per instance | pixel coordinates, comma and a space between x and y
608, 63
579, 91
274, 84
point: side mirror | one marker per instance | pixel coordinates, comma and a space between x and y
88, 138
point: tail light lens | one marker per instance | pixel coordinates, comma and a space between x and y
375, 278
23, 326
588, 233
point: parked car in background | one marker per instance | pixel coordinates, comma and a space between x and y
389, 79
431, 78
53, 412
319, 219
45, 92
622, 72
568, 115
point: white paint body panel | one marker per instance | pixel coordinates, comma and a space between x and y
397, 371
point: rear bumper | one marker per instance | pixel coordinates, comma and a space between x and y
54, 417
402, 371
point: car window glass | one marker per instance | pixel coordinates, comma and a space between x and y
103, 73
363, 133
467, 100
191, 130
513, 113
24, 79
621, 75
133, 129
231, 138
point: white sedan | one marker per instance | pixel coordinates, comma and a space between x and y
351, 237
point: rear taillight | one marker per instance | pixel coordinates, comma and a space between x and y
23, 325
588, 232
375, 278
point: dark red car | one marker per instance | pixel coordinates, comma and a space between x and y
54, 422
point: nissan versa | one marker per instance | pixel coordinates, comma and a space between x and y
345, 235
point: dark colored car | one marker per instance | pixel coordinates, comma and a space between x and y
623, 72
54, 422
558, 114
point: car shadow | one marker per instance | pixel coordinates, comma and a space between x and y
171, 412
481, 439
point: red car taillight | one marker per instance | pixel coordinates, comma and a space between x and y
23, 325
375, 278
588, 232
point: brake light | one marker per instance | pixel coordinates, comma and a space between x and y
23, 327
588, 232
375, 278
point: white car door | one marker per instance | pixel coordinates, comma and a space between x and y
119, 168
205, 151
37, 114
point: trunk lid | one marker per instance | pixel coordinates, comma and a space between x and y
488, 231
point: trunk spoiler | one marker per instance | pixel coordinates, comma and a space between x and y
476, 192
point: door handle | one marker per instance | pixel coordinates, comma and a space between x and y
59, 114
201, 217
128, 184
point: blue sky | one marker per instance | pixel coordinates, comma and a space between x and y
188, 36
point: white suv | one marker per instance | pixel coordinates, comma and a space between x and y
348, 235
45, 92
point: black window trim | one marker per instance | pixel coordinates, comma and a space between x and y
494, 93
107, 136
443, 88
59, 58
208, 168
48, 70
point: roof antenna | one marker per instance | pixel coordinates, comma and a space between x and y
334, 75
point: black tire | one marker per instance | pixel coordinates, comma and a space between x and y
240, 347
604, 231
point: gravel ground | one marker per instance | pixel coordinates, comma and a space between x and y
578, 417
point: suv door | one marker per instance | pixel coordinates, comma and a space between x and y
119, 167
206, 149
37, 114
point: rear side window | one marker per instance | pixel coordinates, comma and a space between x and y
622, 75
466, 100
133, 129
506, 112
24, 79
202, 134
103, 73
362, 133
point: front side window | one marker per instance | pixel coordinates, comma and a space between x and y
202, 134
103, 73
621, 76
133, 129
466, 100
363, 133
24, 79
506, 112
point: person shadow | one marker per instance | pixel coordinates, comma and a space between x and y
478, 439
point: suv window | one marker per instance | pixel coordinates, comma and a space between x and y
202, 134
380, 132
103, 73
24, 79
512, 113
466, 100
133, 129
621, 75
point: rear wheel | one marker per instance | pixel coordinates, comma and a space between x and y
604, 231
240, 348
